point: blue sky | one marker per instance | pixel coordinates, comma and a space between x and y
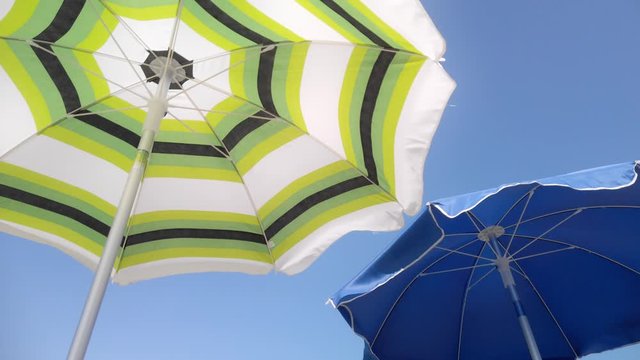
544, 88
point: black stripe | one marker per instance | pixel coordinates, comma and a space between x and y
232, 23
371, 93
244, 128
61, 24
194, 233
267, 58
55, 207
109, 127
133, 139
356, 24
160, 147
265, 74
312, 200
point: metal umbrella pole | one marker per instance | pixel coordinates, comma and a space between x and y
157, 107
490, 235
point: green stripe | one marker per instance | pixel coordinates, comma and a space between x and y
19, 174
303, 187
51, 222
323, 213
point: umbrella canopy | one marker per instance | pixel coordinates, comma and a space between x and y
564, 251
281, 126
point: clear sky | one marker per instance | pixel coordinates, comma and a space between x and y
544, 87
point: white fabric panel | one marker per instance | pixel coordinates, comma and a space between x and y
16, 123
156, 34
193, 194
297, 19
284, 165
169, 267
5, 6
322, 80
382, 217
192, 46
83, 256
58, 160
409, 18
418, 123
119, 71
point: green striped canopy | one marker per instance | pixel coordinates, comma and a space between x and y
294, 123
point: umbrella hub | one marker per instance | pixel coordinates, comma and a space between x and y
178, 69
491, 232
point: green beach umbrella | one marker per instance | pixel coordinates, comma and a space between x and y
150, 138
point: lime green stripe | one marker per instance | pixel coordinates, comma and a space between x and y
193, 215
348, 100
51, 222
294, 81
39, 223
211, 29
249, 16
162, 10
21, 12
193, 224
57, 186
304, 186
369, 19
23, 81
262, 149
90, 146
323, 213
172, 253
397, 97
336, 22
191, 173
41, 189
16, 25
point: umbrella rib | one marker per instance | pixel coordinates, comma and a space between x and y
594, 253
86, 51
574, 209
122, 87
416, 277
544, 303
106, 27
474, 218
576, 212
284, 43
63, 118
108, 111
216, 111
526, 205
482, 278
461, 234
543, 253
204, 81
516, 204
423, 274
316, 140
174, 36
463, 253
466, 294
128, 28
246, 188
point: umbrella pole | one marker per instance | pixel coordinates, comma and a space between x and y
502, 263
157, 110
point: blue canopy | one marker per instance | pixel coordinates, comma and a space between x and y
571, 251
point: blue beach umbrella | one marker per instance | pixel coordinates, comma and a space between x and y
548, 269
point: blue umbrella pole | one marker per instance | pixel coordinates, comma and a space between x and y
502, 263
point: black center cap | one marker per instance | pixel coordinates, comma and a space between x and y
180, 69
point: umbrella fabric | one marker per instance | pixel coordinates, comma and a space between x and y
289, 124
574, 252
